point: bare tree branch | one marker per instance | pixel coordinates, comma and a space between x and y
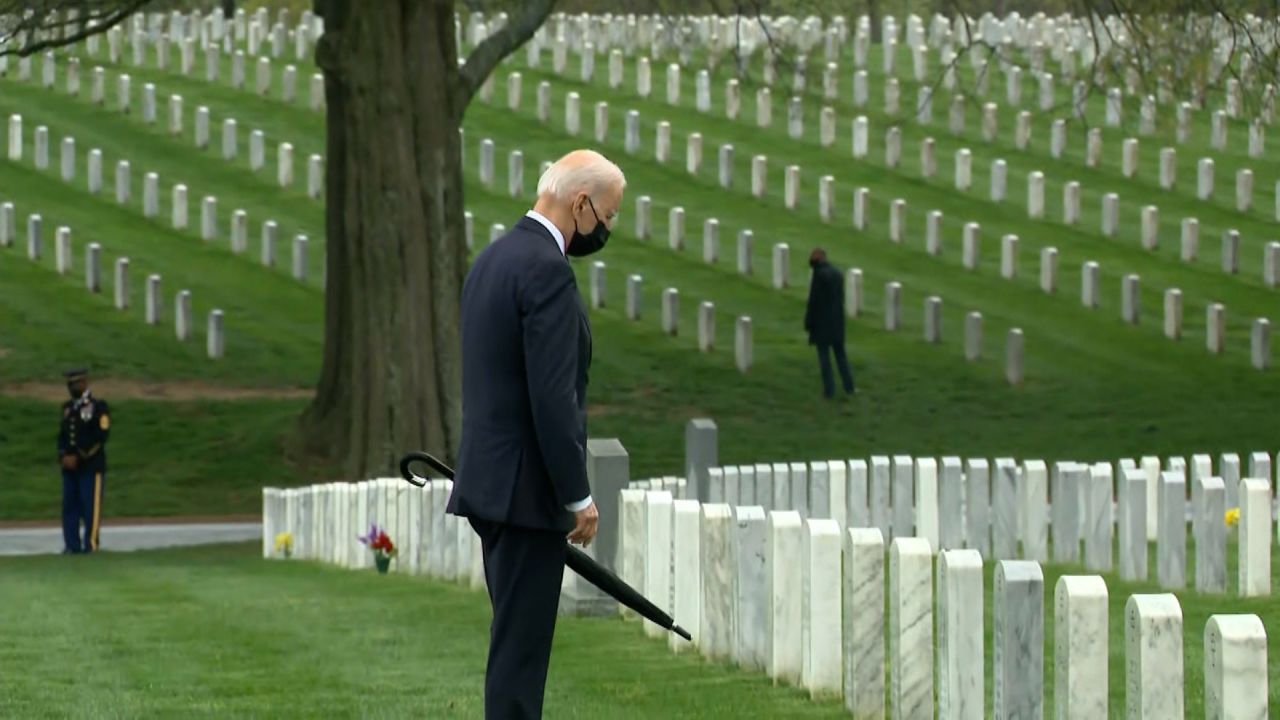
486, 56
39, 25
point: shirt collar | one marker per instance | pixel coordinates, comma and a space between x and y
551, 228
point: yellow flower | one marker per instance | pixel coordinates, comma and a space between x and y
284, 543
1232, 517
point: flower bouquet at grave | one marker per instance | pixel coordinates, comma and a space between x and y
1232, 518
381, 546
284, 544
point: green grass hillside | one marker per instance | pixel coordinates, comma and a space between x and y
1096, 387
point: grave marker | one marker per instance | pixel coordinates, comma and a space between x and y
1230, 251
1018, 639
1080, 647
657, 555
1153, 656
961, 661
911, 626
686, 571
999, 180
179, 207
122, 182
121, 285
1204, 179
215, 342
822, 643
1254, 557
1132, 521
863, 622
1130, 307
1171, 546
670, 311
1035, 195
92, 270
785, 617
1173, 313
1260, 345
971, 245
742, 343
1215, 328
1235, 667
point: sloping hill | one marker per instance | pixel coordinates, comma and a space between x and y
1095, 387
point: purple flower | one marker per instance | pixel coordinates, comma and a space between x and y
373, 534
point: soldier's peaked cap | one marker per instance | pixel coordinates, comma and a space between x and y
77, 373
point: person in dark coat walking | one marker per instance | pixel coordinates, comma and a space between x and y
824, 321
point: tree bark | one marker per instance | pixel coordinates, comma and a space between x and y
396, 255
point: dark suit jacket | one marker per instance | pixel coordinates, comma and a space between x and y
526, 347
824, 315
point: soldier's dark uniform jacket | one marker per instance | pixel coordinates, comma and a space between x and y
86, 424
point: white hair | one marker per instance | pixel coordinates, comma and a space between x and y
581, 171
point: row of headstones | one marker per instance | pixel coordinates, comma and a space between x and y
957, 505
263, 71
256, 33
1065, 39
780, 271
1260, 333
780, 277
701, 455
239, 229
1113, 103
963, 169
804, 601
777, 36
230, 145
963, 179
1244, 183
963, 175
326, 520
215, 341
1168, 161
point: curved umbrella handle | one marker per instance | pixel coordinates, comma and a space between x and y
407, 473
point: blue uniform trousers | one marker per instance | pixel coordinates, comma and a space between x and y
81, 503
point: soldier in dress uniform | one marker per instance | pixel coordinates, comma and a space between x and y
82, 441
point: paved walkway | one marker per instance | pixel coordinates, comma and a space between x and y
48, 540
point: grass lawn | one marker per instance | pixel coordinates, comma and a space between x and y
167, 458
218, 631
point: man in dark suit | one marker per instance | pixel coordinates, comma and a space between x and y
522, 477
824, 321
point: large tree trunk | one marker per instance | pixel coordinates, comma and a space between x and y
396, 254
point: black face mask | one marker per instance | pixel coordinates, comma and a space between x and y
73, 391
582, 245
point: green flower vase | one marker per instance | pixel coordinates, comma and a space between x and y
383, 562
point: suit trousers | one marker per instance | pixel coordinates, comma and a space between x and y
523, 569
81, 504
842, 363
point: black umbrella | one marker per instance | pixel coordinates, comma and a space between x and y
577, 561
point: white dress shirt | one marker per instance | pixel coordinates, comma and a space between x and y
555, 233
551, 228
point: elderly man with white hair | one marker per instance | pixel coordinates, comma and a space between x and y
522, 476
